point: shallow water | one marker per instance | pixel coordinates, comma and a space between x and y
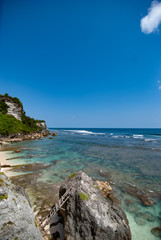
121, 156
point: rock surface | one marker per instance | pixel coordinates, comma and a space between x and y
23, 137
89, 216
104, 187
42, 125
14, 109
16, 217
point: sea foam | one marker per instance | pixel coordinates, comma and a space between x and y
84, 132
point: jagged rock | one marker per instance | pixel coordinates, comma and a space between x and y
17, 219
45, 133
89, 216
54, 134
104, 187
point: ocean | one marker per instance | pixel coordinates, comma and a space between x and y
130, 159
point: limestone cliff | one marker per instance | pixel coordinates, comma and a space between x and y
13, 119
16, 217
89, 216
14, 109
11, 106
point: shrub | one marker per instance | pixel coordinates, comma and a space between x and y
10, 125
3, 107
72, 175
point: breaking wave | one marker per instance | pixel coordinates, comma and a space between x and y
84, 132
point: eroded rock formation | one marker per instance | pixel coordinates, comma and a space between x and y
89, 216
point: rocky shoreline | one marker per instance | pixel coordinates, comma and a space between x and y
23, 137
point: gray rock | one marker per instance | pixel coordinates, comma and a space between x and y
89, 216
17, 220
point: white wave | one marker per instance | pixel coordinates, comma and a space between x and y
138, 136
149, 139
127, 136
120, 136
111, 134
115, 136
84, 132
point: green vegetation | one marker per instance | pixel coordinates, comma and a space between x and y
1, 173
10, 125
1, 182
3, 107
14, 200
35, 224
95, 186
84, 196
72, 175
9, 222
14, 99
39, 121
2, 197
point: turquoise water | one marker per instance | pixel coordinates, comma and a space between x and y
121, 156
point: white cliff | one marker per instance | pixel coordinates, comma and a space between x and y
14, 109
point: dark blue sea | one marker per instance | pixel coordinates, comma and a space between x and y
122, 156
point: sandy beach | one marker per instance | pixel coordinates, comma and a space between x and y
3, 161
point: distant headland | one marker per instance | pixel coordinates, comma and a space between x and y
15, 124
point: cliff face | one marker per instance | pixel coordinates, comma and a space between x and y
14, 109
89, 215
42, 125
16, 217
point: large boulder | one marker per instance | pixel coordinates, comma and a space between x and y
89, 216
17, 220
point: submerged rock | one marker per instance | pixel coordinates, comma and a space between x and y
146, 216
29, 167
89, 215
17, 151
157, 232
16, 217
54, 134
140, 194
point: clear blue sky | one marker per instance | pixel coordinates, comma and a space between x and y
81, 63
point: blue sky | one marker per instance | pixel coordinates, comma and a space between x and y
82, 63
